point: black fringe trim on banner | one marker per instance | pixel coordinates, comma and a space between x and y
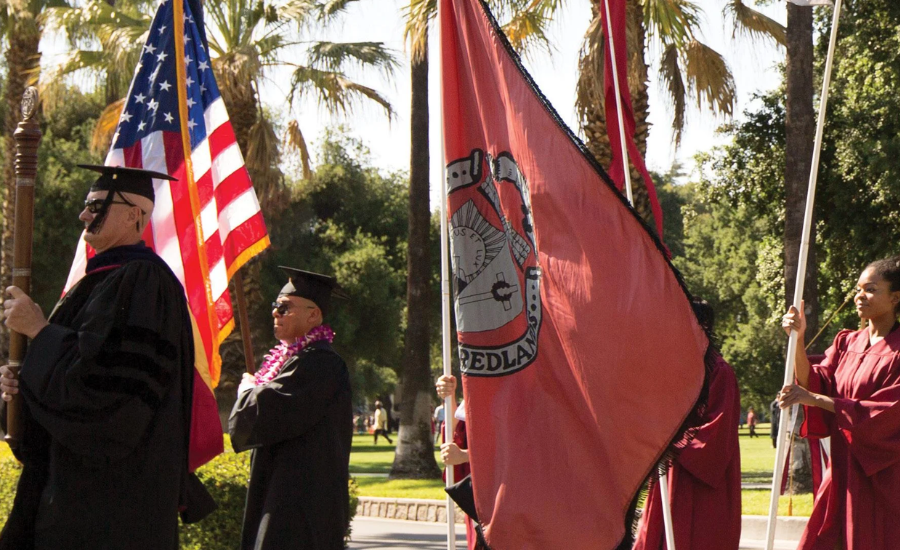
694, 419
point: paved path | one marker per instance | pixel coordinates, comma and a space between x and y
389, 534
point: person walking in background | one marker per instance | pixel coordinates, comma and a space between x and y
775, 416
438, 418
381, 422
752, 421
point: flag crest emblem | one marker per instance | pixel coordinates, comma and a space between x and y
496, 273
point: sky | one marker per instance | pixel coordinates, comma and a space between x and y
755, 67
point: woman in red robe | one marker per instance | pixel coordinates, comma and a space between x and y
854, 397
705, 479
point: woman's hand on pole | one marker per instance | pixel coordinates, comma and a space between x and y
795, 320
793, 394
452, 455
446, 386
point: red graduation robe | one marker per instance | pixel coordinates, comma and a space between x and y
705, 480
858, 502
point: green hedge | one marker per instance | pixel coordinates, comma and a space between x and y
225, 478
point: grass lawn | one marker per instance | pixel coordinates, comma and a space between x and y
368, 458
757, 459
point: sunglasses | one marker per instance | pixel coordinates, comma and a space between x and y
94, 206
281, 308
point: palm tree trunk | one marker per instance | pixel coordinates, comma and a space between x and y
22, 62
414, 457
591, 97
800, 134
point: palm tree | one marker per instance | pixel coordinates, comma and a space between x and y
414, 457
800, 131
688, 69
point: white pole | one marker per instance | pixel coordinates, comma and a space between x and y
449, 401
615, 71
790, 362
667, 510
663, 478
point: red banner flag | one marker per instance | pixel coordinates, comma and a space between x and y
617, 168
580, 354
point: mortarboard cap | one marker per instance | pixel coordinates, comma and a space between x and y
125, 180
315, 287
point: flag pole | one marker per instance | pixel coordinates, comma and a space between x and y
790, 361
663, 475
621, 117
450, 400
244, 320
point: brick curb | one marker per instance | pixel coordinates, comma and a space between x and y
410, 509
435, 511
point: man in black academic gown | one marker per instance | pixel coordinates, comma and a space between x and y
297, 417
107, 390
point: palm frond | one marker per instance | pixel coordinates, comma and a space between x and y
670, 74
301, 12
334, 90
294, 140
104, 40
751, 23
336, 56
709, 79
262, 162
589, 90
332, 8
106, 127
419, 14
527, 30
672, 21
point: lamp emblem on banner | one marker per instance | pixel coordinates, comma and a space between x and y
496, 273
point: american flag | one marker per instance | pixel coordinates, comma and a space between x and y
207, 224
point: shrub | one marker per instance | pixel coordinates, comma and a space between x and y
226, 480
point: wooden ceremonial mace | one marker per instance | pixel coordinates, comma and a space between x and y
28, 137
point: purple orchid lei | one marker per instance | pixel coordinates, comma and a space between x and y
279, 355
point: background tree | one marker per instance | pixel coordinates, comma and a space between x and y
415, 444
688, 69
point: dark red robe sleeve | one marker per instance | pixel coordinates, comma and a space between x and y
817, 423
709, 453
871, 426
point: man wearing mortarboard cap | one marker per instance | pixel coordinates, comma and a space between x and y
107, 385
296, 415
